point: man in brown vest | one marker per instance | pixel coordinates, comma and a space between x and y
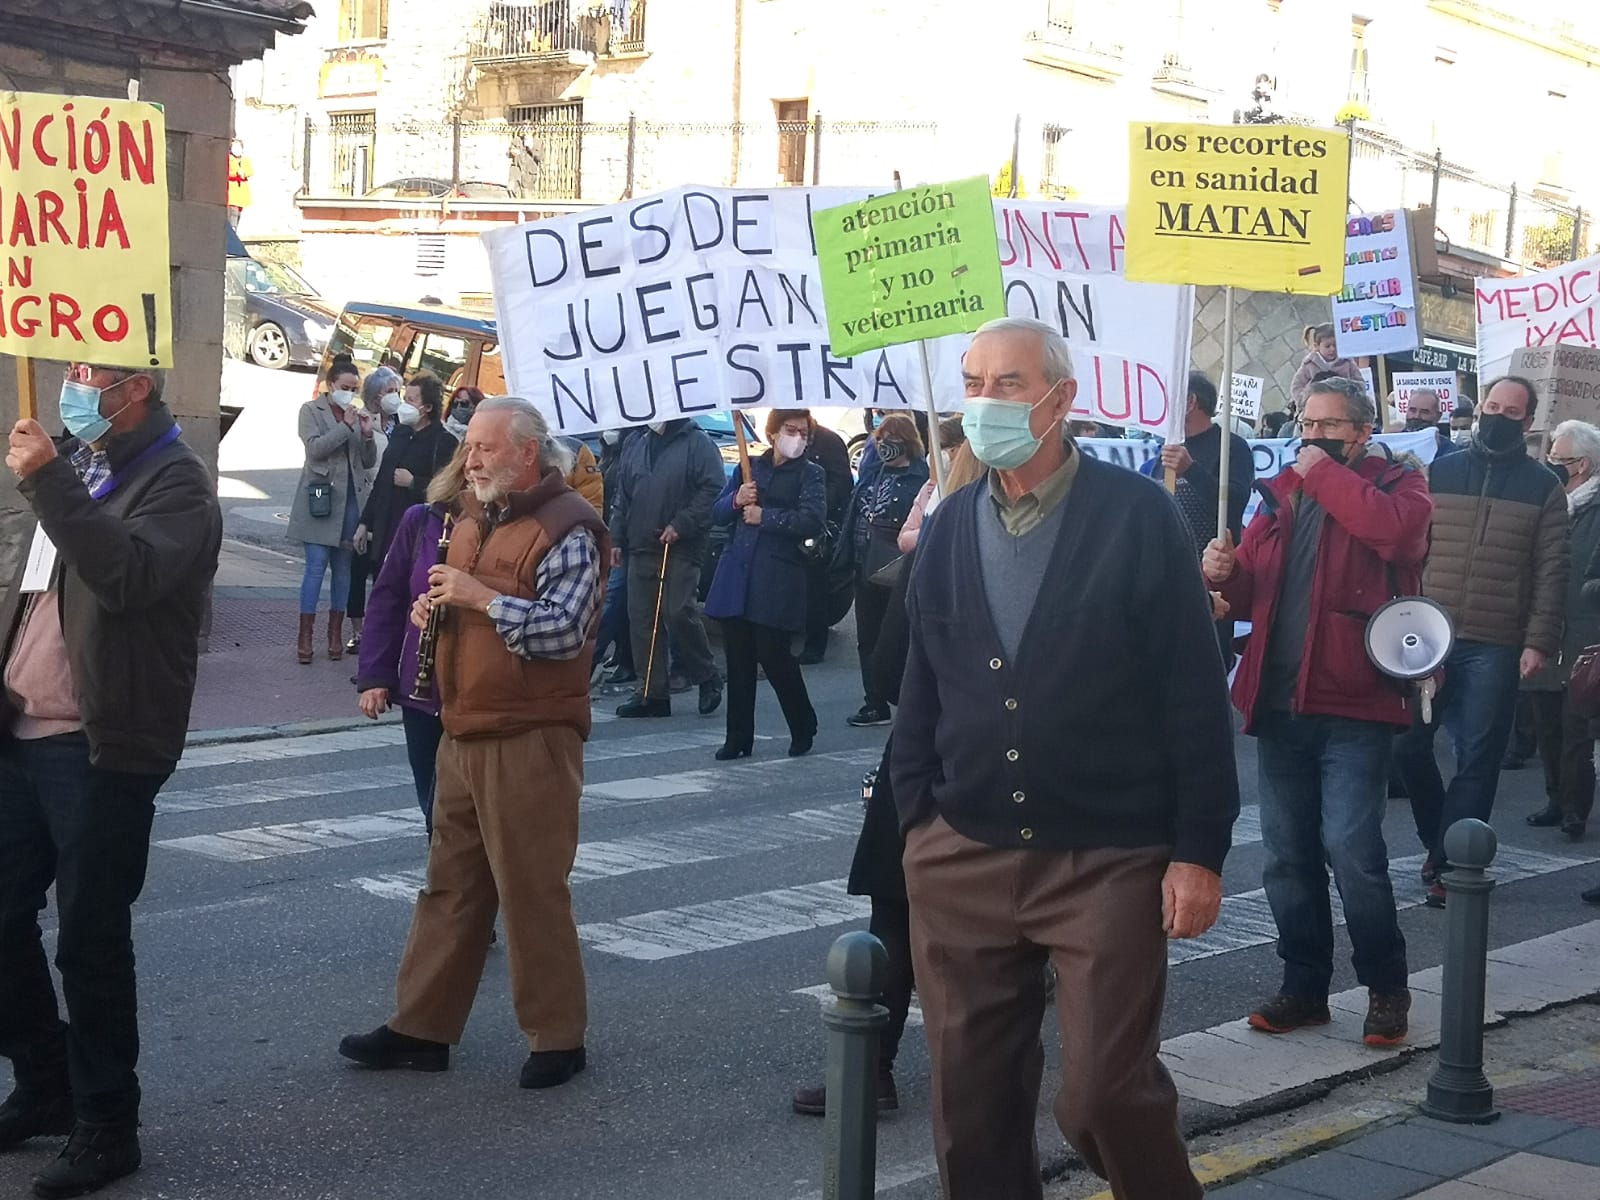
521, 587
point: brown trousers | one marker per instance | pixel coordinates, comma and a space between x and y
983, 922
505, 832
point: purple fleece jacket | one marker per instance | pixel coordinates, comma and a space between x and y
388, 638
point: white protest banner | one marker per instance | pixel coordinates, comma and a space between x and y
1376, 310
1270, 455
1247, 397
1548, 308
1444, 383
709, 298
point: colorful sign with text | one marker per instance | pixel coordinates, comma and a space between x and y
83, 230
914, 264
710, 298
1376, 310
1258, 207
1548, 308
1567, 380
1444, 384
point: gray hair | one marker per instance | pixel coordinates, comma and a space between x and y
1056, 352
528, 425
1585, 439
1358, 405
156, 375
375, 385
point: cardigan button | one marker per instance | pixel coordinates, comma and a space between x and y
1012, 756
1011, 704
1027, 835
1018, 797
995, 664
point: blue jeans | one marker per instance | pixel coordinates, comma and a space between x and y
319, 558
613, 630
1476, 706
1324, 784
86, 830
423, 731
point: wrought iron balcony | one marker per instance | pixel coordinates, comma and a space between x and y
533, 31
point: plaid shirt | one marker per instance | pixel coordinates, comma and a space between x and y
92, 466
557, 624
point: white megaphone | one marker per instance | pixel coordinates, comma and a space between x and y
1409, 638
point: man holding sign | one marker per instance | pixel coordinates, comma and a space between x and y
101, 642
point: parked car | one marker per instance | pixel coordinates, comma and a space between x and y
427, 187
281, 322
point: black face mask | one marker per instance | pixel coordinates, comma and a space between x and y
1332, 447
1418, 424
890, 450
1498, 431
1561, 472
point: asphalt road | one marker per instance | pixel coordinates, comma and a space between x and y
279, 898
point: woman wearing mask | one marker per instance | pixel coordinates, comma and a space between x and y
327, 503
418, 450
380, 397
951, 439
463, 402
388, 668
869, 542
759, 589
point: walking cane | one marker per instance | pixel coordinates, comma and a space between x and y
655, 629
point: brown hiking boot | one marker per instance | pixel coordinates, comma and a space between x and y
1386, 1023
1285, 1013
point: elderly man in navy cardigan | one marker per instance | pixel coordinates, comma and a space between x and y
1063, 766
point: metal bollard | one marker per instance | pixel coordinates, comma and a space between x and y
857, 963
1458, 1090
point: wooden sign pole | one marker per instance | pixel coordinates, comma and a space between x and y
744, 446
27, 391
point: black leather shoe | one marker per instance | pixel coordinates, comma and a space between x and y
1592, 896
640, 706
1547, 817
868, 715
731, 751
23, 1117
385, 1050
95, 1155
1573, 828
813, 1101
800, 744
710, 696
552, 1068
810, 658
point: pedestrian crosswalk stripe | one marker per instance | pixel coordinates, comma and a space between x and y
1246, 918
227, 754
702, 843
333, 783
702, 780
695, 928
301, 837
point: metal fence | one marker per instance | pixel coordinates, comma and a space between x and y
570, 160
1469, 210
554, 28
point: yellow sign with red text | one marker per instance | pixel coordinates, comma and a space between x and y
1260, 207
84, 262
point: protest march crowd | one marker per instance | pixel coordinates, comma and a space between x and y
498, 557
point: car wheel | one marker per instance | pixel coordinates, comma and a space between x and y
268, 346
858, 447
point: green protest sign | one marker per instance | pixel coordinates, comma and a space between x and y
919, 263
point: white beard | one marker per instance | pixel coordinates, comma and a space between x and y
497, 488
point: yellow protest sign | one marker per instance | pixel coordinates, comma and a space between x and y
83, 230
1255, 206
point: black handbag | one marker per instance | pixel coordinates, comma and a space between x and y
319, 498
819, 547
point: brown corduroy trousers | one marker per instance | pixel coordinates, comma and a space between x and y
505, 832
983, 922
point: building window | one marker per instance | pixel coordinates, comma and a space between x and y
363, 20
1359, 92
794, 125
1050, 172
547, 141
354, 139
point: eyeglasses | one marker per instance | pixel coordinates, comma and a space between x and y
1563, 462
1325, 425
78, 373
796, 430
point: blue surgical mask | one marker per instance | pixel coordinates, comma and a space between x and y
1001, 431
80, 410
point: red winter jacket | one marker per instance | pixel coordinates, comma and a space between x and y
1377, 518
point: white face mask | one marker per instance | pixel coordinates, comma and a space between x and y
409, 414
948, 458
344, 398
391, 402
791, 445
658, 427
